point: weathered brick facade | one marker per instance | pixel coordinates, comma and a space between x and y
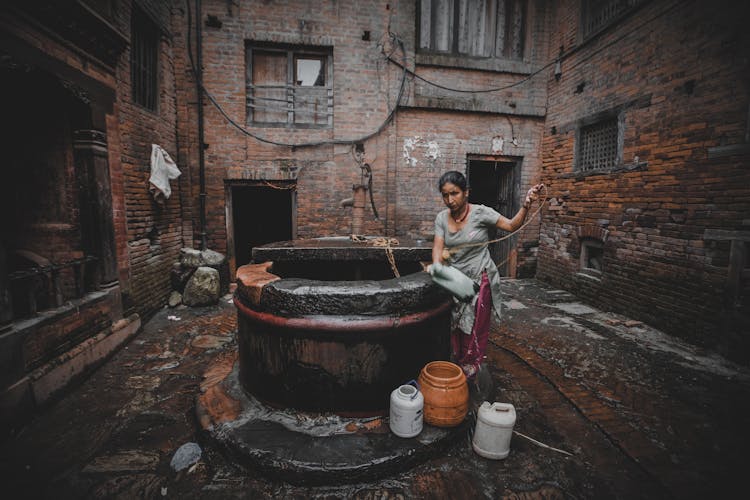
365, 88
676, 74
661, 234
101, 246
154, 231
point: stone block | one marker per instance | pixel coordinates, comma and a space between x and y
179, 276
175, 299
202, 288
190, 257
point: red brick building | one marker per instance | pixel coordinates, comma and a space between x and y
85, 250
333, 74
635, 115
645, 151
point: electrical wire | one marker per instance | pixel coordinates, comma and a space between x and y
402, 85
257, 137
512, 131
560, 58
473, 91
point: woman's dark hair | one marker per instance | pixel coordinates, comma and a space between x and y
454, 177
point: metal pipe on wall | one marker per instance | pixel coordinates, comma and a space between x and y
201, 144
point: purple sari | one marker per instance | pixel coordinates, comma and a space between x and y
469, 350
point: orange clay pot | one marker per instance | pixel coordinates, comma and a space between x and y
446, 395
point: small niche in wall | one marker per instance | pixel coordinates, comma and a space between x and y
154, 237
592, 256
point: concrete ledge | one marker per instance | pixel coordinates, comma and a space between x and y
36, 388
60, 371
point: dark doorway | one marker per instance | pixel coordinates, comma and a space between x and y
47, 251
494, 183
261, 213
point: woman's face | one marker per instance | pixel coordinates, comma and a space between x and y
453, 196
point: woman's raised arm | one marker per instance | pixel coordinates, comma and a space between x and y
517, 221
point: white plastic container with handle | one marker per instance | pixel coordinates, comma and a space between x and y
494, 429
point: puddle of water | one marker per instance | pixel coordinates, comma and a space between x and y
514, 304
166, 366
148, 383
574, 308
690, 356
570, 323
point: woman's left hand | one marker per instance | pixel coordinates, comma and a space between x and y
532, 195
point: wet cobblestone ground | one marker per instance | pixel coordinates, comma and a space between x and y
643, 415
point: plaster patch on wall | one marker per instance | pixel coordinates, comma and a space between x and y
497, 145
431, 150
409, 146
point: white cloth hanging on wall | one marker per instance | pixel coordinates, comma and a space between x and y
163, 169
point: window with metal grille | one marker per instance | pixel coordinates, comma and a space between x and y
144, 58
598, 146
289, 86
477, 28
597, 14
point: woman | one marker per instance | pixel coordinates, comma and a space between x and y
465, 224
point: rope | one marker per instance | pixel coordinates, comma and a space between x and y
539, 443
448, 252
282, 188
381, 241
386, 242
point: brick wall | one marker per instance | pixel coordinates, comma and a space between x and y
366, 88
153, 235
77, 51
455, 136
677, 74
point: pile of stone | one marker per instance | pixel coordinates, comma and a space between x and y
199, 278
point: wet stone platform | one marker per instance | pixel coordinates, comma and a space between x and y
305, 448
642, 414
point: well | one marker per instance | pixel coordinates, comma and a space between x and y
324, 324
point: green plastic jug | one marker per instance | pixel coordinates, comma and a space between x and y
457, 283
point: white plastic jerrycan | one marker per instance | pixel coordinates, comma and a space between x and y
494, 429
407, 403
453, 280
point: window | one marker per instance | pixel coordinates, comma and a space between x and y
597, 14
144, 57
598, 146
477, 28
289, 86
